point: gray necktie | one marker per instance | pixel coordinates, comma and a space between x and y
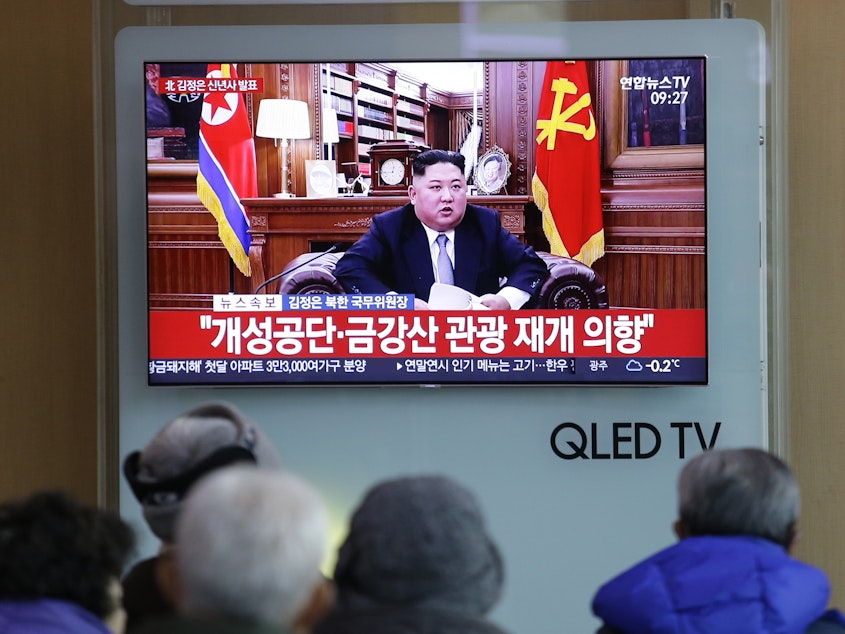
444, 264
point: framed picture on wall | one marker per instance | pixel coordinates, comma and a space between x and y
654, 113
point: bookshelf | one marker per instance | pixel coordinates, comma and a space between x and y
376, 103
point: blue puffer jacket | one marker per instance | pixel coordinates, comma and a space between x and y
715, 585
48, 616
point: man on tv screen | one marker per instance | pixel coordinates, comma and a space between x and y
438, 238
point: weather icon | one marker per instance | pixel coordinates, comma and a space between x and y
634, 366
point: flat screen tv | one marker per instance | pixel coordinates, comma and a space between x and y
599, 162
684, 241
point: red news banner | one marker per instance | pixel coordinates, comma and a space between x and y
616, 333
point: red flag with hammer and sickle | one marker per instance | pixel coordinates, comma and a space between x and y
566, 183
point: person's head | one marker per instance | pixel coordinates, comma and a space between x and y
420, 541
738, 492
439, 189
249, 543
53, 547
492, 168
201, 440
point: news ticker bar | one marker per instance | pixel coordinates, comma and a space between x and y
669, 370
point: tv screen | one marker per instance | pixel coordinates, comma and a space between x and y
594, 170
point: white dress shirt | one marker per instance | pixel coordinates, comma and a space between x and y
514, 296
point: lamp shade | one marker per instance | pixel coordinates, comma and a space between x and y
330, 131
283, 119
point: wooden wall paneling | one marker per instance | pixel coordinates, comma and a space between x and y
501, 122
305, 86
490, 116
287, 81
653, 201
525, 118
438, 128
816, 232
284, 90
266, 152
50, 344
187, 262
654, 254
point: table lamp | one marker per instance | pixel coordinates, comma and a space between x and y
285, 120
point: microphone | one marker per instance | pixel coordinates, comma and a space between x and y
331, 249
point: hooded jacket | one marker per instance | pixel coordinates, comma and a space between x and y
721, 584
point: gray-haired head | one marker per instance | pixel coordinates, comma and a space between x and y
249, 545
205, 438
739, 492
420, 541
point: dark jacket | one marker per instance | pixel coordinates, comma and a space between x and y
715, 584
831, 622
394, 255
142, 597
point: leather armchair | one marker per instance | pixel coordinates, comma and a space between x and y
571, 284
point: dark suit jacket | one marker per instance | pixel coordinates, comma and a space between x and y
394, 255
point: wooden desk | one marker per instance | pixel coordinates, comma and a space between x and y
283, 228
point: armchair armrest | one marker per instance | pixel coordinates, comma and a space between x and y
572, 285
315, 278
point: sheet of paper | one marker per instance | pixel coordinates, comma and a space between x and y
449, 297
